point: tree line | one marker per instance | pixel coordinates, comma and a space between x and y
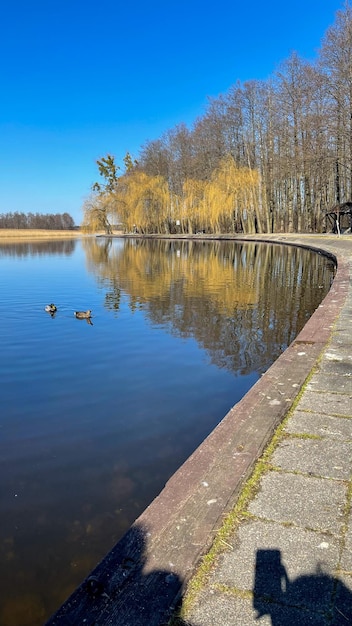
266, 156
49, 221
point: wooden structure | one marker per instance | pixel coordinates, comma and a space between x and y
339, 218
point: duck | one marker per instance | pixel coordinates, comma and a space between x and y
51, 308
83, 315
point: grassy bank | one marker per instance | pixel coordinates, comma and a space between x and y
12, 234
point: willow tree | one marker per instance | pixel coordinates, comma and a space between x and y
191, 214
144, 202
231, 198
97, 210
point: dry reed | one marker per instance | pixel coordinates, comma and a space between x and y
29, 233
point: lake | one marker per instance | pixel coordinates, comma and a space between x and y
97, 416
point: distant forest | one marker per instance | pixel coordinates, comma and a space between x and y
56, 221
267, 156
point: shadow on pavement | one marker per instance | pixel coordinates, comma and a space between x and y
316, 599
322, 598
124, 590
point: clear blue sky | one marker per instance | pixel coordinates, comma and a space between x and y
82, 78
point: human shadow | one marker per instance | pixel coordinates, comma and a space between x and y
123, 589
317, 599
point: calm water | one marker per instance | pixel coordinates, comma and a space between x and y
95, 418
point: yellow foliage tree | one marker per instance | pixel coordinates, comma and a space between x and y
98, 209
228, 202
192, 206
144, 202
232, 197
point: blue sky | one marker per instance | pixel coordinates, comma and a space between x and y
80, 79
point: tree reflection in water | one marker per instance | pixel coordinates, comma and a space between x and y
243, 302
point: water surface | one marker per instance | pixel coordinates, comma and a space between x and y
96, 417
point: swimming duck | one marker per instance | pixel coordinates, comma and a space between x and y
51, 308
83, 315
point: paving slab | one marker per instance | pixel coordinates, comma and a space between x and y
315, 503
336, 384
221, 608
336, 353
326, 457
337, 366
343, 334
309, 423
273, 549
218, 607
326, 402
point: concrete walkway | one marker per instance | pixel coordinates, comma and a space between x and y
285, 558
284, 555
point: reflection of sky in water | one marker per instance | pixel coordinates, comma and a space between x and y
94, 418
